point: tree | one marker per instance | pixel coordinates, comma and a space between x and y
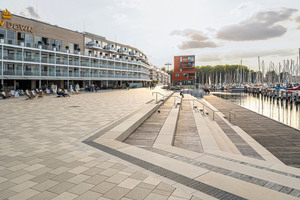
163, 69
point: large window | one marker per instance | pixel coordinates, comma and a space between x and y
191, 58
11, 37
176, 75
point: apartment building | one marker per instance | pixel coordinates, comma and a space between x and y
35, 54
159, 76
184, 70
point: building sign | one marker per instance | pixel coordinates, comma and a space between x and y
18, 27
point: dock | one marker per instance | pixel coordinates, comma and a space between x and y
281, 140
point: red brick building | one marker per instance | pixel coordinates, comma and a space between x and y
184, 70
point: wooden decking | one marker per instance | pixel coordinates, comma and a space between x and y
281, 140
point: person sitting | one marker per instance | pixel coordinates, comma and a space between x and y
60, 93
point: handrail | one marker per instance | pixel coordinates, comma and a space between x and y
156, 95
179, 97
230, 113
221, 111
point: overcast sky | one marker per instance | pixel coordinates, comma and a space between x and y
216, 31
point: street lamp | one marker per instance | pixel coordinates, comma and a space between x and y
168, 64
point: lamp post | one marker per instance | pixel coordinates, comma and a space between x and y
168, 64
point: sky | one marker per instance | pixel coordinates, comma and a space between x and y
215, 31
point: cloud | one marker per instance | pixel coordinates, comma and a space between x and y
30, 12
197, 39
297, 19
236, 55
261, 26
208, 58
120, 17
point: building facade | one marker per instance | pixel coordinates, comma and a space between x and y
184, 70
34, 54
159, 76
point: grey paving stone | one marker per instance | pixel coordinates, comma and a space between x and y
153, 196
6, 185
45, 195
92, 171
116, 193
165, 187
119, 166
61, 187
45, 185
63, 177
81, 188
146, 186
103, 187
89, 195
138, 193
162, 192
43, 177
96, 179
5, 194
138, 176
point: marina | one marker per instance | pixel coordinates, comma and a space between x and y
282, 111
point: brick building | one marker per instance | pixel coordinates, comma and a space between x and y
184, 70
35, 54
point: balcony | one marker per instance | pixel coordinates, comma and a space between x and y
48, 73
12, 72
31, 73
64, 74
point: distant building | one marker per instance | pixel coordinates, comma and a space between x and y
159, 76
184, 70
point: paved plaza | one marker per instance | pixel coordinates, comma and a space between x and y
76, 148
42, 155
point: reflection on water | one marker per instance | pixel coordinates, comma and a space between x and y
285, 112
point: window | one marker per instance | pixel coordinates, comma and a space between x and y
184, 74
180, 65
176, 75
180, 70
180, 59
191, 58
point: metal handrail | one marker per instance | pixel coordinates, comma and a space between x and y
221, 111
156, 95
213, 111
179, 97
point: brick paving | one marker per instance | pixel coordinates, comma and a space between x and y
42, 155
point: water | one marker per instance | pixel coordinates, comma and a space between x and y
282, 111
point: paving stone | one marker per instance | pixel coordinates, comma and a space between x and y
103, 187
129, 183
152, 196
116, 178
42, 178
165, 187
63, 177
61, 187
96, 179
45, 185
5, 194
65, 196
26, 194
92, 171
81, 188
162, 192
116, 193
139, 176
23, 186
45, 195
90, 195
146, 186
138, 193
78, 178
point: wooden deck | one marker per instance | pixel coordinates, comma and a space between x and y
281, 140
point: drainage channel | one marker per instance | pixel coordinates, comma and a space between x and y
186, 136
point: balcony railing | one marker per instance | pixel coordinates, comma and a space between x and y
31, 73
12, 72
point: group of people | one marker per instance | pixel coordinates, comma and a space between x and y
91, 88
